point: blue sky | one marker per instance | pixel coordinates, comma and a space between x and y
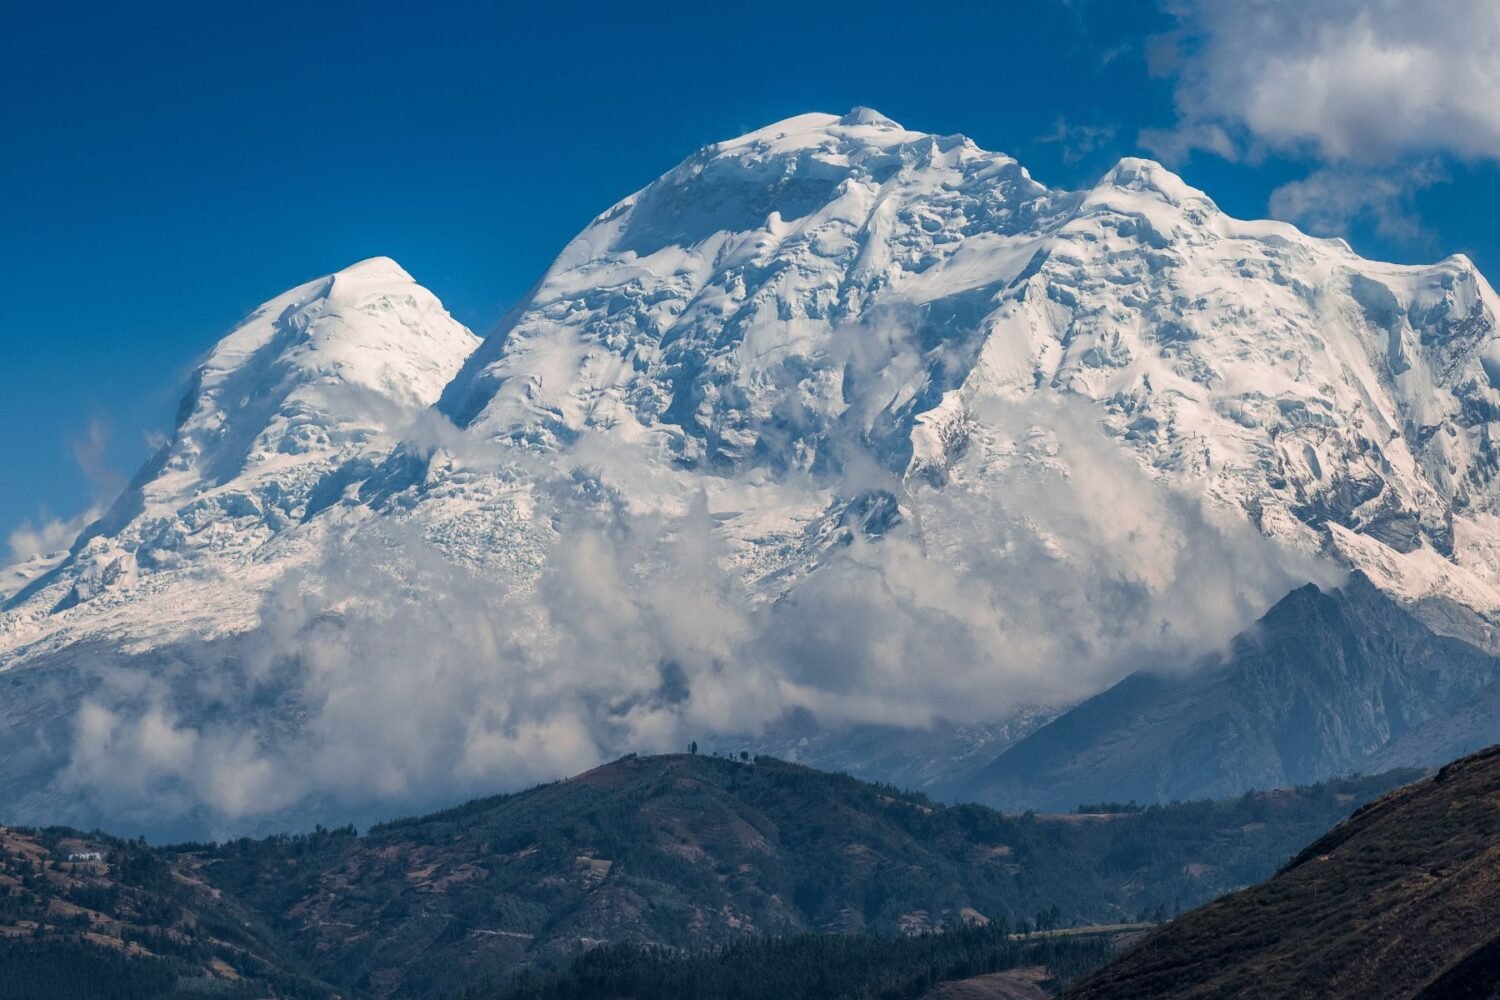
166, 173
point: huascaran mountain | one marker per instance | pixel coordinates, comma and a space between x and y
827, 280
827, 328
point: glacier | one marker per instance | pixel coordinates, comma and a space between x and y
835, 420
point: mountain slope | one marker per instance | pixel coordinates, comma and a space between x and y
693, 851
1324, 684
1397, 902
89, 915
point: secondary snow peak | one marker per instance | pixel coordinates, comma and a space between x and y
292, 407
1135, 173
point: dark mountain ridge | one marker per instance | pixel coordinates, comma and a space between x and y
1327, 682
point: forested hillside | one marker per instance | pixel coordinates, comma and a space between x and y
680, 852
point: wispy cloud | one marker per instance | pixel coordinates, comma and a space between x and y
1078, 140
46, 533
1330, 200
89, 451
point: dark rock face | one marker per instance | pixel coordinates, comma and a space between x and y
1326, 683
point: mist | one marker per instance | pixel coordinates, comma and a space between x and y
387, 677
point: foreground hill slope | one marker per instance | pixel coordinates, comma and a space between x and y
91, 916
678, 851
1398, 903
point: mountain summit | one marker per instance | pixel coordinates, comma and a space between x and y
686, 311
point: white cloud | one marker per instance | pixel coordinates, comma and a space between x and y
1346, 80
1173, 145
46, 535
88, 451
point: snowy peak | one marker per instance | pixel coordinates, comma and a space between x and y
1295, 381
860, 125
751, 254
288, 411
370, 325
320, 369
1149, 177
867, 116
319, 376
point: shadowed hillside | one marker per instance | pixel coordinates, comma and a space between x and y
1398, 903
1326, 683
92, 916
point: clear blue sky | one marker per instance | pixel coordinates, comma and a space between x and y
164, 173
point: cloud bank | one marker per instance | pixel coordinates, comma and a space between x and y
1352, 80
389, 679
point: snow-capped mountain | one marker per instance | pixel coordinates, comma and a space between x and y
296, 405
831, 280
921, 439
